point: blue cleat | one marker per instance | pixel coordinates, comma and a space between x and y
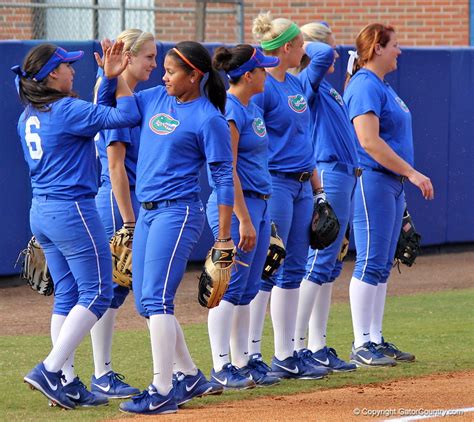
368, 355
391, 351
230, 377
306, 356
149, 402
188, 387
112, 386
327, 357
258, 371
296, 367
78, 393
49, 383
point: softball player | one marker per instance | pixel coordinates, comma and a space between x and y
182, 127
56, 131
117, 205
229, 322
336, 160
383, 125
291, 164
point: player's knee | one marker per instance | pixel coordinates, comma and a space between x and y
232, 297
63, 305
289, 283
100, 305
313, 279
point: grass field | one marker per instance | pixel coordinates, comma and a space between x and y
437, 327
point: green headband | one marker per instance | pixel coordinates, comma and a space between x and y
287, 35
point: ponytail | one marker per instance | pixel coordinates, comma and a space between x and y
215, 90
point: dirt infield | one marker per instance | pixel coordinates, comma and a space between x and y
410, 397
395, 399
432, 272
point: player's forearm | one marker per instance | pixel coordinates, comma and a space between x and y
225, 220
121, 189
240, 208
381, 152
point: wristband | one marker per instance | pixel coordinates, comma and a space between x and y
224, 240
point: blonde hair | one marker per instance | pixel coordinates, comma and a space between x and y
265, 28
134, 39
316, 31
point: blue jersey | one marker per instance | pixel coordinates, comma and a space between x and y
58, 144
332, 132
252, 160
367, 93
131, 139
287, 118
175, 141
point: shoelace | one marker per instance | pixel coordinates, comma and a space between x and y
306, 356
179, 376
62, 377
81, 384
261, 366
140, 396
372, 348
116, 378
389, 345
234, 370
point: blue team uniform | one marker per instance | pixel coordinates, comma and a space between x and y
291, 160
105, 199
175, 141
252, 168
335, 142
379, 198
58, 146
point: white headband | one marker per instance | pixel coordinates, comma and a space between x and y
352, 58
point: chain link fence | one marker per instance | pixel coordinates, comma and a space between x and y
96, 19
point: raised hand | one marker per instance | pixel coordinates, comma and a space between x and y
105, 44
115, 61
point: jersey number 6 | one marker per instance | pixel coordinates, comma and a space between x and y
33, 140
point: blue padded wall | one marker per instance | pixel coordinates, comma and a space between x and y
436, 84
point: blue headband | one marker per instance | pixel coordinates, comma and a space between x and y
258, 59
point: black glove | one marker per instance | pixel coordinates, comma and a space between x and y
324, 224
408, 246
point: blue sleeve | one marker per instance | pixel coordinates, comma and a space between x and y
235, 114
117, 135
364, 97
215, 139
321, 57
259, 99
222, 177
215, 135
264, 100
86, 119
105, 94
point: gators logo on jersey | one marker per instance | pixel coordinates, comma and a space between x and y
403, 106
334, 94
297, 103
259, 127
163, 124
